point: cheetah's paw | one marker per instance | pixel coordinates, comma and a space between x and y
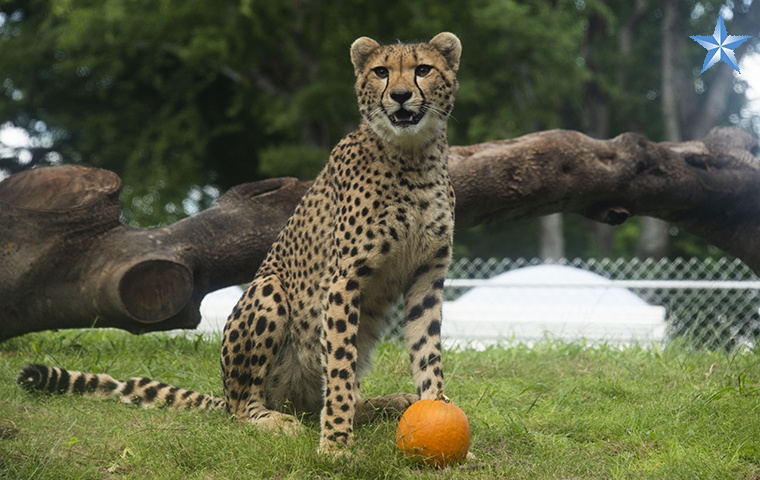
279, 423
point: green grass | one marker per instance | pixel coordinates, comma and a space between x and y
555, 411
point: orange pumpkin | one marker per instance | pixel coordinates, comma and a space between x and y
435, 432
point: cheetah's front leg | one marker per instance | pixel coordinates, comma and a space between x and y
340, 327
422, 328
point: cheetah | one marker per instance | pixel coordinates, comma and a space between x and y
376, 225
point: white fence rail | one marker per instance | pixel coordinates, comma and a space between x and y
631, 284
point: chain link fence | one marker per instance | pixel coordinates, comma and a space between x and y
711, 304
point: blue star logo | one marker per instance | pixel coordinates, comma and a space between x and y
720, 46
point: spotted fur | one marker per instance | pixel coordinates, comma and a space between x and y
376, 224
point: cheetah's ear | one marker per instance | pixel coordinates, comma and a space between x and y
450, 47
361, 50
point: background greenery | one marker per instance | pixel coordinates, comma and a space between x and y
551, 411
185, 98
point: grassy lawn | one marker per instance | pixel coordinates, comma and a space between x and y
555, 411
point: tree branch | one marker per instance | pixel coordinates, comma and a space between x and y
67, 261
710, 187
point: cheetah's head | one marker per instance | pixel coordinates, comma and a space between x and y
406, 91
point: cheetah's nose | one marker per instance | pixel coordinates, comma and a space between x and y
401, 96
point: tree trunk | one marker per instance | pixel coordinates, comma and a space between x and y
552, 245
595, 110
66, 261
671, 47
653, 241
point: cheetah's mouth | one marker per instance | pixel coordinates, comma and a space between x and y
404, 118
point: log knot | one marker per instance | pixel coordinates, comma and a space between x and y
615, 216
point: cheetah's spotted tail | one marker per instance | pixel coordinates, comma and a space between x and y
137, 391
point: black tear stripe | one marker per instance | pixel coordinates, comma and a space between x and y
382, 94
422, 94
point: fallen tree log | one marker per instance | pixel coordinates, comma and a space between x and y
67, 261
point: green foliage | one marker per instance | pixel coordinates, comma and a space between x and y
301, 161
173, 94
551, 411
498, 240
523, 73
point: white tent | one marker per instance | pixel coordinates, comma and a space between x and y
551, 301
216, 307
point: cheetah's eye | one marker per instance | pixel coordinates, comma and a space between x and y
422, 70
381, 72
